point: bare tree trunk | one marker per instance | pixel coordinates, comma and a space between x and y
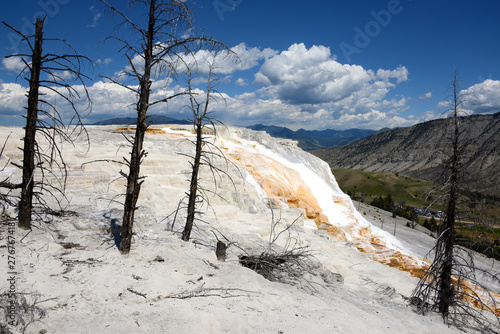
26, 202
134, 181
186, 234
446, 290
449, 285
162, 48
201, 119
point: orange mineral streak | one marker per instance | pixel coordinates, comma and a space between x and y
285, 185
478, 297
149, 130
282, 184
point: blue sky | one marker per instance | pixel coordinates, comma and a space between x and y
303, 64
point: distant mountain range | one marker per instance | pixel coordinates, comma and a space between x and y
314, 139
420, 150
307, 140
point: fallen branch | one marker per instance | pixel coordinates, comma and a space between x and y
210, 292
137, 293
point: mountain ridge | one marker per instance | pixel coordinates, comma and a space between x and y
419, 151
309, 140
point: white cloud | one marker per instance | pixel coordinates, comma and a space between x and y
312, 76
96, 16
241, 82
108, 99
301, 88
245, 96
111, 100
13, 97
400, 74
483, 97
250, 57
444, 104
59, 76
245, 109
14, 64
374, 119
106, 61
428, 116
426, 96
245, 58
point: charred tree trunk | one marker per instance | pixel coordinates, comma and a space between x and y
446, 290
163, 48
134, 180
186, 234
26, 202
449, 285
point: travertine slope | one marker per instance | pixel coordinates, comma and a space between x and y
71, 266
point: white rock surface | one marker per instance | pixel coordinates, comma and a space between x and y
73, 268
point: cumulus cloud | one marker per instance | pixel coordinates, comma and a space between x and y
428, 116
108, 99
312, 76
249, 57
244, 58
443, 104
13, 97
245, 96
58, 76
483, 97
299, 87
308, 88
105, 61
13, 64
111, 100
241, 82
246, 110
426, 96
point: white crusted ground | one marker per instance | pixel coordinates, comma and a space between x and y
72, 267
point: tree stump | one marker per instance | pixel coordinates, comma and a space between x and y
221, 251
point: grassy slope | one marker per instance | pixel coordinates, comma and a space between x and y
413, 192
401, 187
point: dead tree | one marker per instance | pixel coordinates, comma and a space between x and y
203, 124
52, 126
450, 286
199, 112
161, 43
